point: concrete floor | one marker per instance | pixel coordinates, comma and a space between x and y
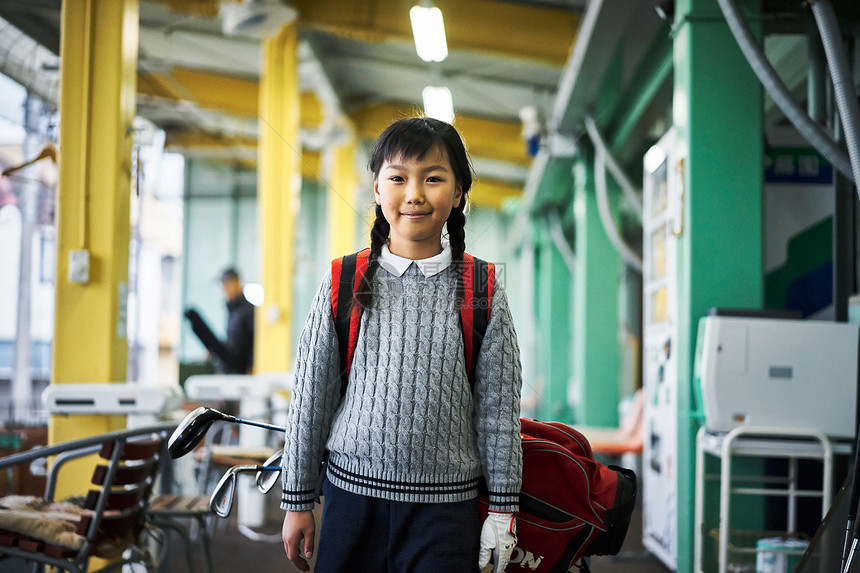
232, 551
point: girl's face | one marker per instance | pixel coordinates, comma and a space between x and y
416, 196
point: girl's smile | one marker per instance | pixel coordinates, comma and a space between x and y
415, 215
416, 196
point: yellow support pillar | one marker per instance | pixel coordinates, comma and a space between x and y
278, 189
341, 204
98, 55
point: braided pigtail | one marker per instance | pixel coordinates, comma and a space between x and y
456, 226
378, 237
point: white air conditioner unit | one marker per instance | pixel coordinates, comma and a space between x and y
255, 18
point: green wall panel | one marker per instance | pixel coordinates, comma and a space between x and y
717, 113
554, 313
597, 280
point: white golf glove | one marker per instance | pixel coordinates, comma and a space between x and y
499, 537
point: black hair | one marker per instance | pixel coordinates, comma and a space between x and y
412, 138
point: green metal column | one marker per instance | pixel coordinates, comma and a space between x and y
597, 279
553, 305
717, 113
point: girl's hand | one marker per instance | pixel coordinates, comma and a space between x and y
299, 526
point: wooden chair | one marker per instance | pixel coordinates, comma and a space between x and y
189, 515
169, 512
112, 516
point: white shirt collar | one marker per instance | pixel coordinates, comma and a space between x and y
397, 265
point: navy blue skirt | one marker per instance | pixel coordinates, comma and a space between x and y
373, 535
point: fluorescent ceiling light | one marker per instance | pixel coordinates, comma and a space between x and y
438, 103
428, 28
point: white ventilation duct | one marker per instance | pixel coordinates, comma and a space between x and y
254, 18
29, 63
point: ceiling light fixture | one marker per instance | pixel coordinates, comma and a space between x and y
438, 103
428, 29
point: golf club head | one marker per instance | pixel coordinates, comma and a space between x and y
192, 429
266, 479
221, 501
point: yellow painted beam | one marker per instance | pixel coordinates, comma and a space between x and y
206, 8
492, 194
371, 120
343, 210
278, 195
491, 139
156, 85
204, 139
221, 92
232, 94
98, 54
242, 150
311, 110
312, 165
503, 28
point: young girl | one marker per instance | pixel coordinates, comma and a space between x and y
410, 440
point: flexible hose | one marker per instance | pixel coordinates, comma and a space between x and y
630, 192
626, 252
843, 79
774, 85
816, 76
556, 233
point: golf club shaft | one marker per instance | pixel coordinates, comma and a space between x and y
244, 468
854, 501
260, 424
851, 554
855, 496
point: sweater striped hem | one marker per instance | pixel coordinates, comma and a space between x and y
403, 490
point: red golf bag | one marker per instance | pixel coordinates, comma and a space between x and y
571, 506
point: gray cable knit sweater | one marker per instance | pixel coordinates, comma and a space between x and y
409, 428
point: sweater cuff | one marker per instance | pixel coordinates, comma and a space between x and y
298, 500
504, 502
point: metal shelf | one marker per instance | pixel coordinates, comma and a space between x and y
762, 442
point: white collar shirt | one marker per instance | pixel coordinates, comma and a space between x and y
429, 267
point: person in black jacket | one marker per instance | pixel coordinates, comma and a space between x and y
240, 327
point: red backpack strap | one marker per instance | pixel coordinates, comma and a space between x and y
346, 274
479, 278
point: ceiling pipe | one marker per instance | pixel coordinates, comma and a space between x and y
632, 194
624, 251
776, 88
312, 77
28, 63
843, 81
556, 233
